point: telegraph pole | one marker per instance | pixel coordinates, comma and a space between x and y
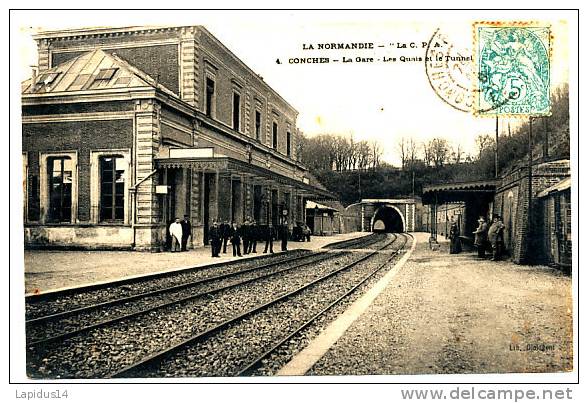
496, 151
546, 138
359, 182
530, 193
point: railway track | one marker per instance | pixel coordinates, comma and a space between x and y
165, 362
45, 305
43, 340
277, 355
67, 324
363, 241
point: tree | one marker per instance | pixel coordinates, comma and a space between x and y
402, 150
376, 153
427, 154
353, 156
439, 149
484, 142
412, 153
456, 154
363, 154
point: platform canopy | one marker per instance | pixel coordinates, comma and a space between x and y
558, 187
459, 191
224, 164
313, 205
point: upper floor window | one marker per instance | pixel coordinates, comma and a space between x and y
257, 125
288, 144
275, 135
236, 111
112, 188
59, 170
210, 97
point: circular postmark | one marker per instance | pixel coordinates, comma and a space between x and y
449, 72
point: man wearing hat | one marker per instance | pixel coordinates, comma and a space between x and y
481, 237
215, 239
494, 235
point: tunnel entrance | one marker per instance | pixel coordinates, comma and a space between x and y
387, 219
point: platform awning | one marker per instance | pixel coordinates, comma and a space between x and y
459, 191
224, 164
313, 205
558, 187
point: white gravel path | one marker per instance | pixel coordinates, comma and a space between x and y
457, 314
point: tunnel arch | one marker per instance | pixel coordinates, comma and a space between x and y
388, 218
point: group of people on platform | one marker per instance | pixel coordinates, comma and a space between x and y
220, 234
248, 234
484, 235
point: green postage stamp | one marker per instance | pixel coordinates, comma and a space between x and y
513, 69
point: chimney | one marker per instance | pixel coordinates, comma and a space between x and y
34, 73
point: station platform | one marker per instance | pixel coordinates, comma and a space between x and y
51, 270
437, 313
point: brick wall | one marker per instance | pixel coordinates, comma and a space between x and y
527, 244
228, 71
87, 107
183, 51
81, 136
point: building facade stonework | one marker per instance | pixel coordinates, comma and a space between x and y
126, 129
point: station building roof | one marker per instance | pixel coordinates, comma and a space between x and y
95, 70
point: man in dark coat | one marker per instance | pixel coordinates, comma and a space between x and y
494, 235
186, 232
269, 239
285, 234
236, 239
225, 232
245, 234
215, 239
500, 237
253, 234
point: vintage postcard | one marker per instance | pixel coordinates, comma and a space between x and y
286, 196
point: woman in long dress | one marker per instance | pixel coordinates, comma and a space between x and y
454, 241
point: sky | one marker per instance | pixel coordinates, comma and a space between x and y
381, 101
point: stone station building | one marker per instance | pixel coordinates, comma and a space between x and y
125, 129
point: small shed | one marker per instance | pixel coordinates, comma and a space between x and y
320, 218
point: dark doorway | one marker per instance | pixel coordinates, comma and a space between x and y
257, 202
206, 205
275, 208
387, 219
